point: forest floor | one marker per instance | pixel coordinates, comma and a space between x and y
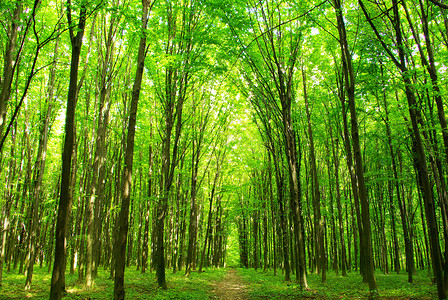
231, 287
226, 284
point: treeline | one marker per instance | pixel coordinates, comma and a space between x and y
318, 129
175, 211
353, 176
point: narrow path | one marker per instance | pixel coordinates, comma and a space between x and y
231, 287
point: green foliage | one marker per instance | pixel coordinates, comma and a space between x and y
260, 285
137, 285
265, 285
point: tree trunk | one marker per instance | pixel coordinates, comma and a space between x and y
57, 279
96, 189
420, 161
318, 222
294, 179
208, 230
256, 236
283, 226
193, 227
39, 169
335, 153
265, 212
9, 65
404, 221
6, 210
349, 81
122, 219
147, 211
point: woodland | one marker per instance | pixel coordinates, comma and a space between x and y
306, 140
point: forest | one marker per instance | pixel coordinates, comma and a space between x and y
153, 147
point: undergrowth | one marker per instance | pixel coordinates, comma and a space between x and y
137, 286
265, 285
260, 285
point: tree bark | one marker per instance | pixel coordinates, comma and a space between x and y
208, 236
58, 278
420, 160
9, 65
147, 210
404, 220
193, 226
122, 220
39, 169
349, 81
318, 222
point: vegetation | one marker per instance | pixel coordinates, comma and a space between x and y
265, 285
259, 285
139, 286
302, 141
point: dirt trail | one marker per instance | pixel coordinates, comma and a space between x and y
231, 287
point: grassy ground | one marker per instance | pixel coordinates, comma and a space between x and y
137, 285
260, 285
267, 286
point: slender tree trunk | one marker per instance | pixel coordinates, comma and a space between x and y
177, 221
318, 222
295, 189
147, 212
8, 65
96, 189
265, 212
420, 160
273, 216
335, 153
193, 227
242, 230
87, 159
39, 169
6, 210
122, 220
208, 236
404, 221
57, 280
283, 226
334, 240
349, 80
255, 228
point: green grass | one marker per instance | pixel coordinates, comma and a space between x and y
260, 285
137, 285
264, 285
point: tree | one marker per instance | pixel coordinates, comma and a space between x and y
64, 205
9, 62
39, 166
96, 190
420, 159
349, 82
318, 222
126, 182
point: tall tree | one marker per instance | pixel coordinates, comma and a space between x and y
349, 82
39, 166
106, 74
64, 205
181, 25
273, 65
9, 61
420, 157
126, 182
318, 222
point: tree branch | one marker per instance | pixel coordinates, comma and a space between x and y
439, 4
